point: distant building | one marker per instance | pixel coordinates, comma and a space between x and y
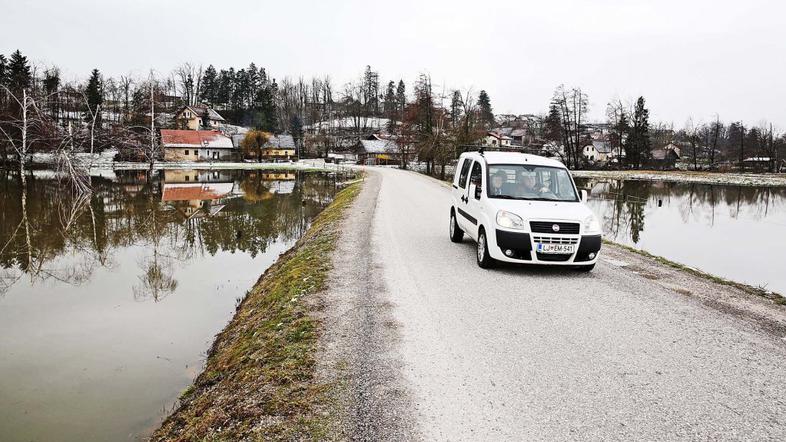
279, 148
198, 117
665, 156
601, 152
764, 164
495, 139
196, 145
376, 150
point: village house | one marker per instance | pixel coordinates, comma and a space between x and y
665, 157
196, 145
495, 139
279, 148
198, 117
377, 150
598, 152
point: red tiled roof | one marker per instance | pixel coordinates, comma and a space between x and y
194, 138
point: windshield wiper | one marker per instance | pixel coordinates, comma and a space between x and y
506, 197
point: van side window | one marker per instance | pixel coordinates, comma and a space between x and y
464, 173
476, 173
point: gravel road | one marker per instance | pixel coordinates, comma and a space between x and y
434, 348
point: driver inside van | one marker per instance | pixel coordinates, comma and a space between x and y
526, 187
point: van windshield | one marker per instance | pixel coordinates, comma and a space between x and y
525, 182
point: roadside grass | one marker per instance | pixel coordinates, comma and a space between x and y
777, 298
259, 379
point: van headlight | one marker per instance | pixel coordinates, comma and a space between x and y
591, 224
509, 220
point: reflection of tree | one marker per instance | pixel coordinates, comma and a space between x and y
157, 281
622, 204
60, 234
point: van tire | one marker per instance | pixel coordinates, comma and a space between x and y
456, 234
586, 268
484, 260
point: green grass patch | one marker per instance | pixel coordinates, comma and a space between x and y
259, 378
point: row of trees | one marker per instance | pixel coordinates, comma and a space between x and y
632, 138
125, 112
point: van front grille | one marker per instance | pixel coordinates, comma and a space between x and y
554, 240
548, 227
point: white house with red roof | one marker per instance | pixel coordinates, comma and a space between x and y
196, 145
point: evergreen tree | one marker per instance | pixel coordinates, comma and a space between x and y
265, 109
371, 91
390, 104
638, 142
401, 99
3, 66
224, 88
95, 97
456, 106
208, 86
51, 87
552, 130
296, 129
484, 106
3, 81
19, 76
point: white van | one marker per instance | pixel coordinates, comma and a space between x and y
524, 209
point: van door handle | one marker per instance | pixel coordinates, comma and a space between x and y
465, 199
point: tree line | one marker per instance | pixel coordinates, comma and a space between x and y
432, 125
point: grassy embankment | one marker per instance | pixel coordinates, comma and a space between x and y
259, 379
775, 297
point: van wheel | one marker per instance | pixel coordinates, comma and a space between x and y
456, 234
586, 268
484, 260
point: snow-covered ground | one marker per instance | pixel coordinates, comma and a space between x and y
736, 179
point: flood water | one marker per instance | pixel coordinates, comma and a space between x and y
736, 232
109, 303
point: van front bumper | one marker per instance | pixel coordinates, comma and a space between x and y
520, 246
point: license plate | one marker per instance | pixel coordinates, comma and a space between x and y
556, 248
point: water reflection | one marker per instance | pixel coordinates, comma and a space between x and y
732, 231
109, 300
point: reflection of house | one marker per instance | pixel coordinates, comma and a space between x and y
196, 145
270, 176
376, 150
198, 198
281, 187
198, 117
197, 176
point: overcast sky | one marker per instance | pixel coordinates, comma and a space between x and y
687, 57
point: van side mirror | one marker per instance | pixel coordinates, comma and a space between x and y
584, 195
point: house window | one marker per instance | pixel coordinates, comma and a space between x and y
188, 178
186, 152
